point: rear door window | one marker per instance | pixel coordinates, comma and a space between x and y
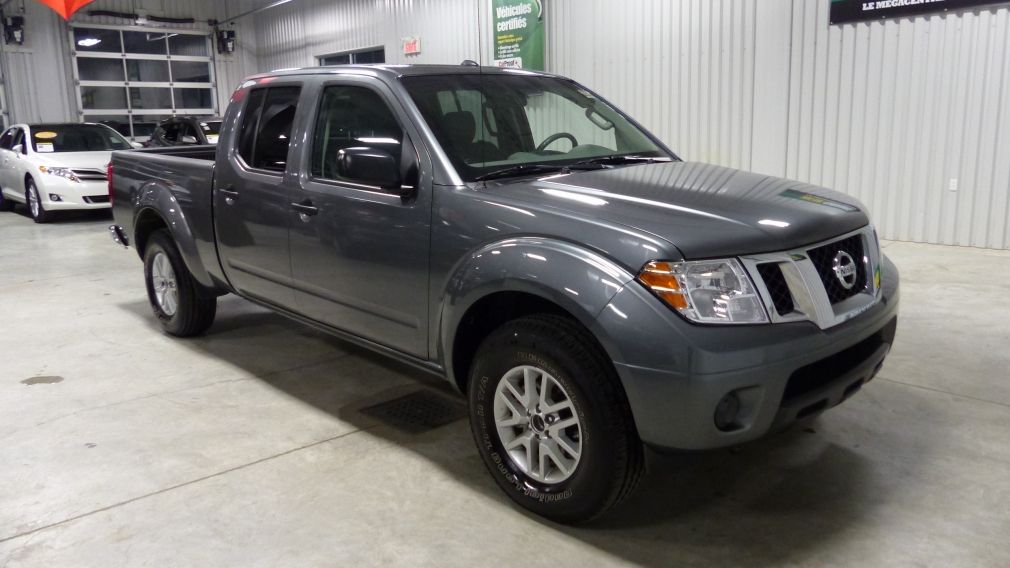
265, 134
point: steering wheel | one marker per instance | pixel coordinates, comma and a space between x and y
554, 138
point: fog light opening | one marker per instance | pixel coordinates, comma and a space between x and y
727, 413
55, 197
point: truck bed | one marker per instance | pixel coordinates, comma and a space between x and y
179, 180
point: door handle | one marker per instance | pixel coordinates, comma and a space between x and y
305, 208
229, 196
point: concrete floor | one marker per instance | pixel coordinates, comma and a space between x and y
246, 447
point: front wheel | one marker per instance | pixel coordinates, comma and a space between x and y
178, 301
551, 420
34, 200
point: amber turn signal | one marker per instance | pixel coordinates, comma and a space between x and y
660, 278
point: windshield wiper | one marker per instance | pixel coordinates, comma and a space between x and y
618, 159
518, 170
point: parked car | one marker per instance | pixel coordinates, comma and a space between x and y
186, 131
56, 167
518, 235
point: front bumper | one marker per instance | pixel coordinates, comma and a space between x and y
59, 194
675, 374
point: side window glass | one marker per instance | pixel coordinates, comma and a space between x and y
19, 141
266, 128
250, 124
352, 116
7, 140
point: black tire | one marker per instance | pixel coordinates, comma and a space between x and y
41, 215
195, 308
612, 456
5, 204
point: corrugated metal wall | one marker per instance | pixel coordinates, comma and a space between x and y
893, 111
296, 34
38, 84
888, 111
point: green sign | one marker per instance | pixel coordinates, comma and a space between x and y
519, 34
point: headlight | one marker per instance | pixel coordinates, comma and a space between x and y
708, 291
60, 172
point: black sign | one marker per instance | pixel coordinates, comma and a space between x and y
843, 11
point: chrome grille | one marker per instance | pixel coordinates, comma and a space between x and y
90, 174
801, 284
823, 259
778, 289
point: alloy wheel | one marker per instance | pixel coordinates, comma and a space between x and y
537, 424
166, 290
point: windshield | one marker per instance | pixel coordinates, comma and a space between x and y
53, 138
487, 123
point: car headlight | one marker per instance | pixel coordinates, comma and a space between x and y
60, 172
708, 291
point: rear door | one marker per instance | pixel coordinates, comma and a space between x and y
359, 254
254, 189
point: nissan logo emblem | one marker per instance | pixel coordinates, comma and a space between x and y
845, 269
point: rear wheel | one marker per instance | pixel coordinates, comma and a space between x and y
181, 305
551, 421
34, 201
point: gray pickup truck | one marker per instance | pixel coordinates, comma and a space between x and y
514, 233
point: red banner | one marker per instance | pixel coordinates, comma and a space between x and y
66, 8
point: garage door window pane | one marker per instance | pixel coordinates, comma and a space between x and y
184, 44
94, 69
190, 72
103, 97
150, 97
192, 98
146, 70
104, 41
145, 42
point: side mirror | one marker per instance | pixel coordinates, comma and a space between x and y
370, 166
137, 145
189, 140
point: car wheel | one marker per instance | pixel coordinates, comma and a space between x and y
5, 204
551, 420
34, 201
181, 305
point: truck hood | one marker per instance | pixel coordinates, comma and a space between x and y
96, 160
706, 211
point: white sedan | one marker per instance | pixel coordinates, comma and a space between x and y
56, 167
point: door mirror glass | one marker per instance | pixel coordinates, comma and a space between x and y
370, 166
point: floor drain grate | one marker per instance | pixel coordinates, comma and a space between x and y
417, 412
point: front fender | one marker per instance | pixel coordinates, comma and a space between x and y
579, 280
156, 198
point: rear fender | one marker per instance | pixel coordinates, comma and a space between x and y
157, 199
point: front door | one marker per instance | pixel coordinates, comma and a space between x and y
252, 197
359, 254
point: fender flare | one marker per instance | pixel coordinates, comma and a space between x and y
154, 198
581, 281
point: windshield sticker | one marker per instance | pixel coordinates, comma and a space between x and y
44, 147
45, 135
811, 198
212, 138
